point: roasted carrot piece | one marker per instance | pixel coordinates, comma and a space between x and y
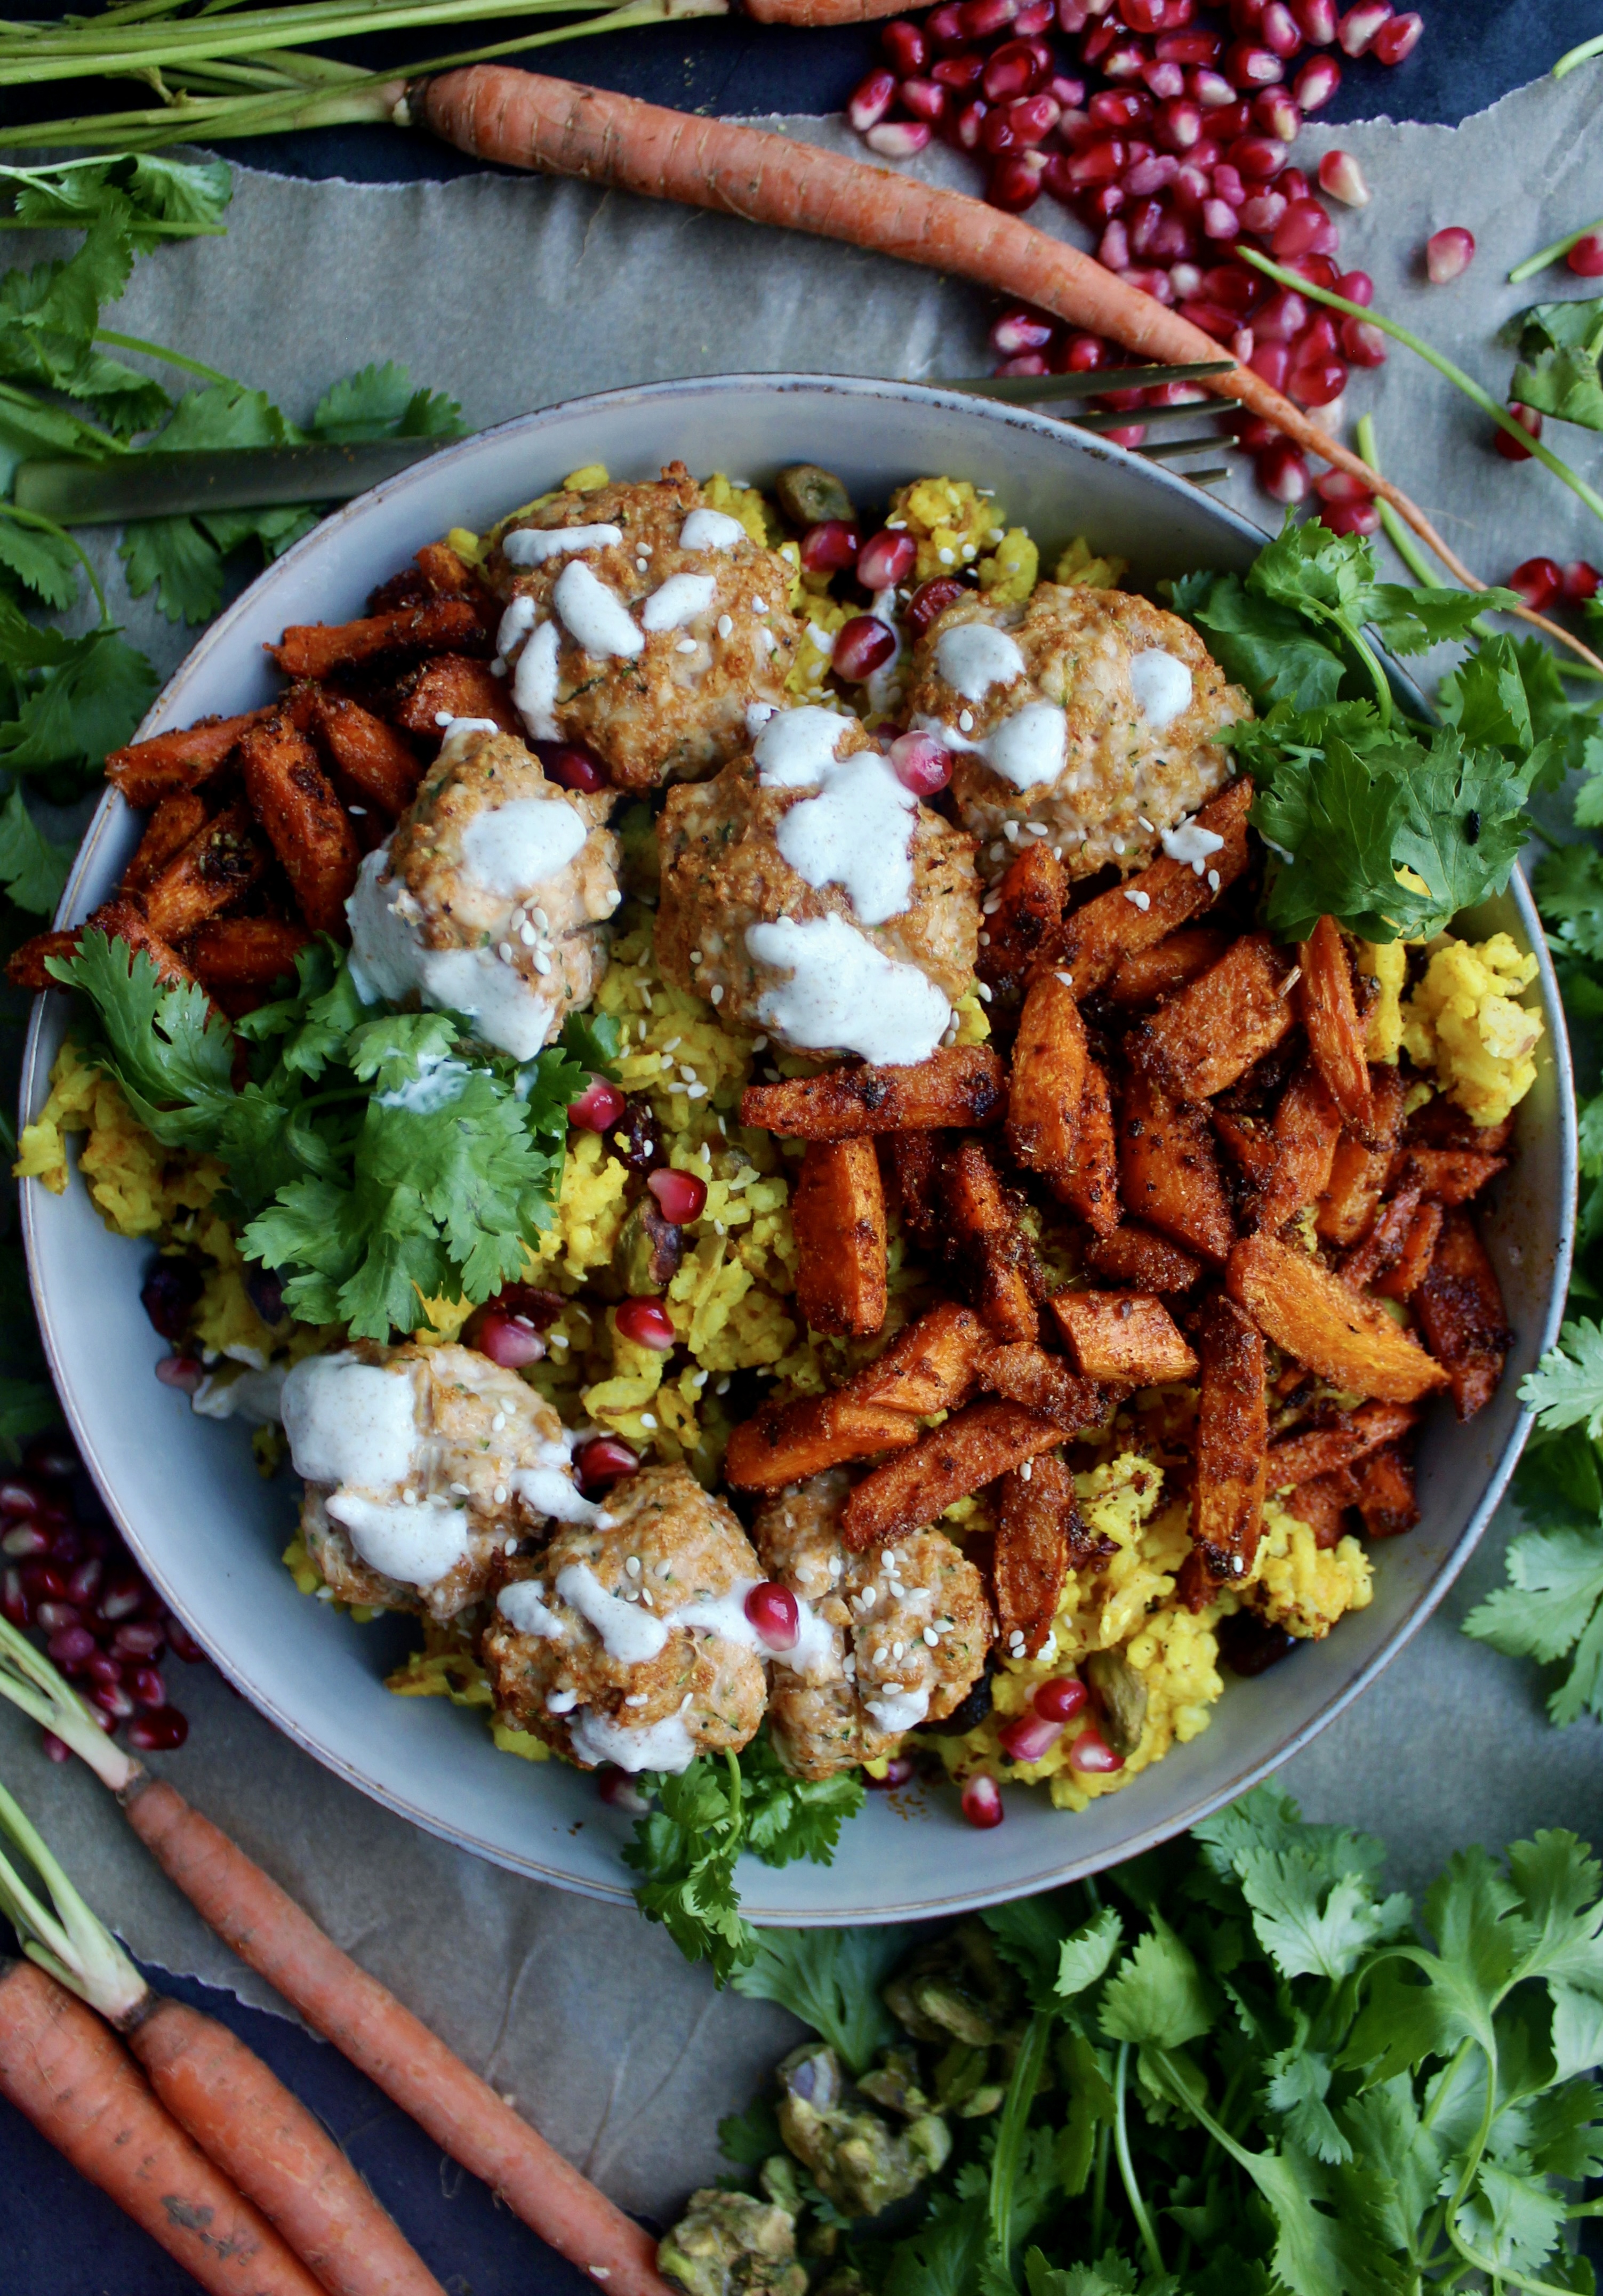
786, 1443
26, 967
145, 772
451, 685
308, 827
917, 1161
448, 576
929, 1366
1090, 1187
1360, 1168
372, 764
1383, 1489
963, 1084
1287, 1162
838, 1213
969, 1450
1336, 1034
1037, 1516
119, 920
1094, 940
176, 820
74, 2080
437, 626
1328, 1450
1411, 1266
1460, 1309
1441, 1123
214, 870
1026, 907
1147, 975
1169, 1172
1232, 1441
1322, 1502
1125, 1337
985, 1230
1145, 1261
1324, 1324
1049, 1056
1207, 1036
1023, 1373
1379, 1251
236, 953
1452, 1176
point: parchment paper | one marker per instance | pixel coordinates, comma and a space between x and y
513, 294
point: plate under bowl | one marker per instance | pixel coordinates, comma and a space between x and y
209, 1532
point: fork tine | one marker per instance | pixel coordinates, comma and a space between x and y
1124, 418
1035, 389
1171, 450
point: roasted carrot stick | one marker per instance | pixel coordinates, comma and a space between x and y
76, 2084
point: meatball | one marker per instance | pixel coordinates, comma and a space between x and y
490, 897
425, 1469
628, 1641
909, 1627
809, 893
1095, 716
644, 624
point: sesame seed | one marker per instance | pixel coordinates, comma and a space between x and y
1027, 1469
899, 1649
497, 1423
684, 645
544, 923
633, 1566
637, 1698
947, 557
759, 605
542, 963
408, 1499
1213, 881
461, 1491
1291, 981
500, 1495
966, 722
880, 1655
648, 1419
717, 993
1142, 901
982, 991
695, 957
505, 952
931, 1636
1146, 824
526, 934
725, 626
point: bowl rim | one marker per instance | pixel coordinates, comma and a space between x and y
960, 1898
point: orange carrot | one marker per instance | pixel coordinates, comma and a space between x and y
522, 120
72, 2078
463, 2113
243, 2119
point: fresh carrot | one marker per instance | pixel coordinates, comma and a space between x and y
73, 2079
521, 119
461, 2111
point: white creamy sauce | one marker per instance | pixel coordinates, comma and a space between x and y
514, 846
418, 1544
348, 1422
535, 682
711, 530
814, 1651
532, 545
794, 748
905, 1711
1192, 843
629, 1633
515, 625
457, 729
561, 1701
438, 1083
1031, 747
679, 600
843, 993
525, 1612
1162, 686
548, 1487
856, 833
975, 656
255, 1395
596, 618
664, 1745
389, 961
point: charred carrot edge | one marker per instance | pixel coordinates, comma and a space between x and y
522, 120
74, 2080
395, 2049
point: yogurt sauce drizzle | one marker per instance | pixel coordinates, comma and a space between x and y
1191, 842
532, 545
515, 624
515, 846
844, 994
712, 530
857, 835
1162, 686
1027, 749
389, 960
534, 685
418, 1544
596, 618
664, 1745
975, 656
794, 748
678, 600
631, 1635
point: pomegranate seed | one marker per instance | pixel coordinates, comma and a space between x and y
19, 1497
1356, 286
83, 1584
1014, 184
1208, 88
1098, 163
137, 1641
1145, 16
185, 1372
898, 139
1096, 43
1126, 60
871, 99
1253, 434
646, 1323
1035, 19
1164, 81
1100, 206
1154, 284
944, 26
1263, 213
181, 1642
55, 1749
1530, 422
1305, 229
1449, 254
571, 766
1249, 67
886, 559
1246, 15
1020, 330
1228, 187
1316, 341
1319, 382
45, 1584
70, 1646
103, 1668
510, 1341
1179, 124
682, 1195
830, 547
13, 1602
928, 600
1362, 345
1090, 1754
27, 1538
906, 48
1358, 28
1579, 582
1585, 259
1189, 48
1112, 249
1341, 178
605, 1460
862, 646
1033, 118
1279, 31
1060, 1699
982, 18
1013, 69
1257, 158
598, 1106
53, 1456
618, 1790
1538, 581
1273, 363
1128, 434
1186, 280
1351, 517
1219, 219
1282, 471
1070, 93
1316, 20
1154, 175
1081, 355
1274, 111
982, 1802
899, 1770
1026, 363
774, 1612
924, 100
1396, 38
958, 73
1294, 184
1317, 83
1213, 319
1029, 1736
920, 764
1341, 487
148, 1688
54, 1616
157, 1733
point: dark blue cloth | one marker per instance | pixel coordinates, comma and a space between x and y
57, 2236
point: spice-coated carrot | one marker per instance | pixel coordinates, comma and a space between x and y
74, 2080
463, 2113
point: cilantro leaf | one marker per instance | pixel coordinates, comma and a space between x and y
379, 402
160, 199
1087, 1953
831, 1980
165, 1046
1260, 644
1557, 370
685, 1849
33, 867
1156, 1996
790, 1817
48, 318
1299, 2082
26, 1408
72, 700
43, 563
1566, 1386
748, 2139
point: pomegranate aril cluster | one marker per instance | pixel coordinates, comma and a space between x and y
67, 1579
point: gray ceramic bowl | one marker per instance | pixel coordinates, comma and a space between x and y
209, 1532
